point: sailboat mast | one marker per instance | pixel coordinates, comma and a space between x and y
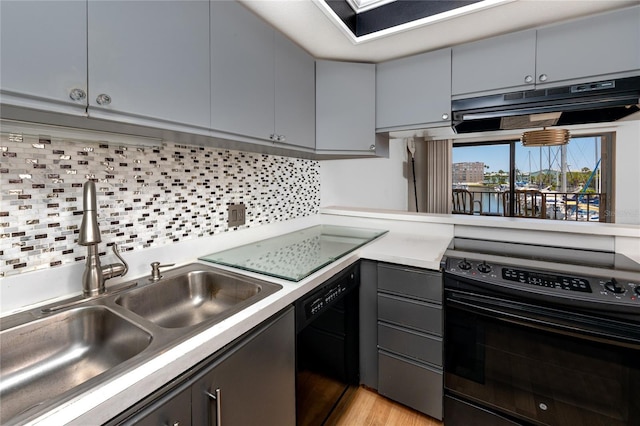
598, 184
563, 165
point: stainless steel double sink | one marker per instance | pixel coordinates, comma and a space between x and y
56, 352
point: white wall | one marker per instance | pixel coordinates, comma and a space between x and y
627, 168
379, 183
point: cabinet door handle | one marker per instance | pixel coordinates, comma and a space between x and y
543, 77
216, 397
528, 79
77, 94
103, 99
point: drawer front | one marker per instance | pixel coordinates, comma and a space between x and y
410, 343
411, 282
421, 316
411, 384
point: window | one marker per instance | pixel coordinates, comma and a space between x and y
569, 182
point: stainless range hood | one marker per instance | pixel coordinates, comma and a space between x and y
597, 102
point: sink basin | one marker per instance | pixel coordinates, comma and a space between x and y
48, 360
45, 358
188, 296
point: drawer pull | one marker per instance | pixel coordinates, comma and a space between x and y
216, 397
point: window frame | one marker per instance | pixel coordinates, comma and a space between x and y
607, 168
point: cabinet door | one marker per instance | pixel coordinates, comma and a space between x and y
295, 118
368, 312
498, 63
43, 54
242, 71
345, 106
590, 48
151, 58
172, 409
414, 91
253, 384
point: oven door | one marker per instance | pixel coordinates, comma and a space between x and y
508, 362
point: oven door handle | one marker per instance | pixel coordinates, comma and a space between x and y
600, 329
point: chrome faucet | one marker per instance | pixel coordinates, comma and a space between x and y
95, 274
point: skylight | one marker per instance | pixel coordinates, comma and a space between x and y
360, 6
364, 20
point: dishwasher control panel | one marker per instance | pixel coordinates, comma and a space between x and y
322, 300
330, 293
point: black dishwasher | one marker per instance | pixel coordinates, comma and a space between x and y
327, 354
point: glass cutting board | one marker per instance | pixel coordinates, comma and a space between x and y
298, 254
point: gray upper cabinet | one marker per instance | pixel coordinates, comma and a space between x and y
43, 55
149, 60
345, 106
295, 114
506, 61
262, 85
590, 49
414, 91
242, 71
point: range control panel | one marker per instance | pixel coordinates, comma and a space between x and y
601, 289
546, 280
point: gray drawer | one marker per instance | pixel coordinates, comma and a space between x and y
421, 316
411, 282
410, 343
411, 384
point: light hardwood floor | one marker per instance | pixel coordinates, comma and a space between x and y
357, 406
366, 407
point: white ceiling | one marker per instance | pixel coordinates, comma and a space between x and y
304, 22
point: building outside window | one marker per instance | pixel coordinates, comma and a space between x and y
468, 172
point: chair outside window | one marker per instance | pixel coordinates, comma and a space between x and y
463, 202
529, 203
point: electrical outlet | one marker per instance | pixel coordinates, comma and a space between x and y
235, 215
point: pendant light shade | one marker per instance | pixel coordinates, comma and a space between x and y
546, 137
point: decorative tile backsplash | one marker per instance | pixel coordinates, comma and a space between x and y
147, 197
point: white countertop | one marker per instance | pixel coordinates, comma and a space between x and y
109, 399
408, 249
497, 222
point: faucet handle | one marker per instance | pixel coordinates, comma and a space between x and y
116, 251
115, 269
155, 270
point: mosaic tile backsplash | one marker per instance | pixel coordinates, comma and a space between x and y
147, 197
